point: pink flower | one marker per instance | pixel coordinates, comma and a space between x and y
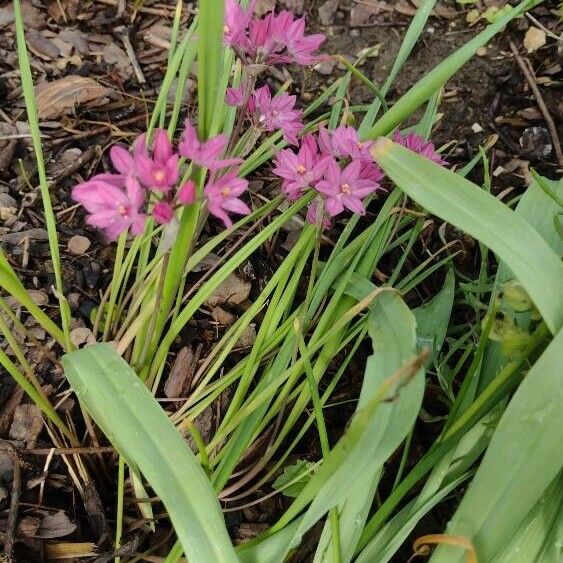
121, 159
235, 96
236, 21
300, 47
299, 170
161, 171
345, 188
187, 193
111, 208
222, 196
312, 214
205, 154
278, 113
419, 144
162, 212
277, 38
344, 141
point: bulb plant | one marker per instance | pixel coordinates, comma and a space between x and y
318, 305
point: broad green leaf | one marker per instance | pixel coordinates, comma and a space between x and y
137, 426
392, 328
525, 455
535, 541
484, 217
292, 473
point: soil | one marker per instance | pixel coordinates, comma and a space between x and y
69, 39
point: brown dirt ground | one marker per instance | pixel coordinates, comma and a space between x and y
488, 97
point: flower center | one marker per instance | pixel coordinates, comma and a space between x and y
275, 113
226, 29
225, 192
159, 176
122, 210
345, 189
301, 169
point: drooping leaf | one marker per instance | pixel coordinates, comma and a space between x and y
137, 426
465, 205
525, 455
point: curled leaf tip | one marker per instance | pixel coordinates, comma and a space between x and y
380, 147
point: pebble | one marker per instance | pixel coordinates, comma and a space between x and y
31, 234
8, 202
325, 67
39, 297
78, 245
82, 335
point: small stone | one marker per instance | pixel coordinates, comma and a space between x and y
82, 335
325, 67
39, 297
78, 245
481, 52
534, 39
327, 11
8, 202
476, 128
248, 337
27, 424
224, 318
74, 300
233, 291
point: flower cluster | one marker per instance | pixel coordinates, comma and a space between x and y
120, 201
338, 165
273, 39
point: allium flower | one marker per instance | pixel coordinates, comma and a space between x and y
278, 39
112, 209
301, 47
344, 142
299, 170
205, 154
223, 195
235, 96
312, 214
161, 171
419, 144
344, 189
187, 193
278, 113
162, 212
236, 21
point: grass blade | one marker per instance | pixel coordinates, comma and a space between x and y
50, 221
525, 455
210, 59
138, 427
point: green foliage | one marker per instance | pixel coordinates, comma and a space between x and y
137, 426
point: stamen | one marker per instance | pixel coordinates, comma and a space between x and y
345, 189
